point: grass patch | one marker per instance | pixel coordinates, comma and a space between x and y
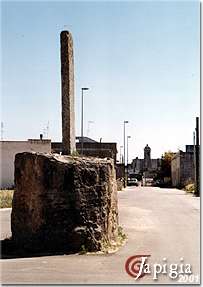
6, 197
83, 250
75, 153
119, 184
106, 246
121, 235
190, 188
115, 245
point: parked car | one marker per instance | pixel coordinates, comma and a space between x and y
147, 181
132, 180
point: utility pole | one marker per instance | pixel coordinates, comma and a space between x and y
128, 137
124, 123
197, 151
194, 158
121, 156
82, 118
47, 129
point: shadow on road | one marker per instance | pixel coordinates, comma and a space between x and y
10, 250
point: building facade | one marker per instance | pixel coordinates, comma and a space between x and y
147, 165
8, 150
182, 167
91, 148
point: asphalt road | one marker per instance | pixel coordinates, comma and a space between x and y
162, 223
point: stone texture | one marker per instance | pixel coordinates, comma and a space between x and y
67, 89
63, 202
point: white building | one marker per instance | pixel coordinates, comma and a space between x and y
8, 150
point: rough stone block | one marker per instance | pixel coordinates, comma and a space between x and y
63, 202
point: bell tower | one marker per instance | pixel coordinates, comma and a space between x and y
147, 157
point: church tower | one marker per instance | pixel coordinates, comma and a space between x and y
147, 157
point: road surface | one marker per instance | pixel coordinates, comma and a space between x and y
162, 223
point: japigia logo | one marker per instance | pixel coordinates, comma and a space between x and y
137, 266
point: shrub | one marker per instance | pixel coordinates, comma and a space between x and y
6, 197
190, 187
119, 184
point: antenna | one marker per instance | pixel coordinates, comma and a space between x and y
2, 130
88, 127
46, 131
193, 138
47, 128
194, 162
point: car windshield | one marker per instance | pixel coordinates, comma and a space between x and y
131, 176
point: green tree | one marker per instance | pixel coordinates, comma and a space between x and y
166, 164
165, 169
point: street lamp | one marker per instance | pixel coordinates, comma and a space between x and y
82, 117
121, 161
128, 137
124, 123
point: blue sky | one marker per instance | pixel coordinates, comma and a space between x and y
139, 59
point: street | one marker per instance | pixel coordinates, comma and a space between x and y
162, 223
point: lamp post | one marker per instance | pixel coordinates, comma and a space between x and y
128, 137
194, 156
82, 118
124, 123
121, 154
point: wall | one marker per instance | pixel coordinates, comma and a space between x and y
189, 148
120, 170
182, 168
175, 170
187, 168
138, 165
155, 163
94, 149
8, 150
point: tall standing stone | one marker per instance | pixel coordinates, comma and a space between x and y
67, 89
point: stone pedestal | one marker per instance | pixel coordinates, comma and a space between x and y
63, 202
